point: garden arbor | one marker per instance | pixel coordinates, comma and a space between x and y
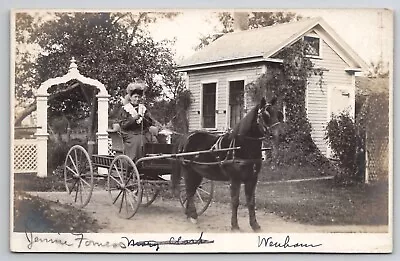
41, 99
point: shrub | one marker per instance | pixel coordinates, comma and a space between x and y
341, 134
57, 151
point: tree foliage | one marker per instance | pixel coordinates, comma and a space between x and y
113, 48
255, 20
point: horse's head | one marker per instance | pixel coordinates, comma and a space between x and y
262, 121
269, 119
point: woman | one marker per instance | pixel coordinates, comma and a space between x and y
134, 120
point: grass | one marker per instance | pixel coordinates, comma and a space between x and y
321, 202
271, 173
30, 182
35, 214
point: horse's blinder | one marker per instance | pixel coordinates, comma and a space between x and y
262, 125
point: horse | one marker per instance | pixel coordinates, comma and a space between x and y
237, 166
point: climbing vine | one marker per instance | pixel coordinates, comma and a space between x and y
288, 82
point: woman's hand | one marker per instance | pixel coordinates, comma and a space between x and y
136, 117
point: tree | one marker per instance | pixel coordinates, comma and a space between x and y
378, 70
110, 47
255, 20
25, 70
177, 100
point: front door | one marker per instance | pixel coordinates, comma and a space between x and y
236, 102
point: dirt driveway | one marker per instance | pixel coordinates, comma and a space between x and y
166, 215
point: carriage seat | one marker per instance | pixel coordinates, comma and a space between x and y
117, 143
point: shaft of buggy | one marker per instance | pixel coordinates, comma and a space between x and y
177, 155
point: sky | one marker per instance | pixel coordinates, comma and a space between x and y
365, 30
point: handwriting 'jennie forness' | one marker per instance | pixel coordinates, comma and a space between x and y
269, 242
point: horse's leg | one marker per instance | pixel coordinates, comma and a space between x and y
235, 192
192, 181
250, 191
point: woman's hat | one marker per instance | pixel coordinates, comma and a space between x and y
136, 87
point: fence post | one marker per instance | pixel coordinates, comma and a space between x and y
41, 134
102, 135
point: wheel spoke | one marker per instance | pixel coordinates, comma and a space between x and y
134, 196
119, 173
73, 163
77, 189
77, 161
80, 191
73, 186
119, 194
199, 196
111, 176
84, 181
122, 201
72, 170
130, 202
204, 191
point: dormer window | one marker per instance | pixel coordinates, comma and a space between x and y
313, 48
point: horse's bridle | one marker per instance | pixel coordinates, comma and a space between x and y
262, 125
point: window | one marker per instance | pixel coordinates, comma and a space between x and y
209, 104
313, 47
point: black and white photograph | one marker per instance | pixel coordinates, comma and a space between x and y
201, 130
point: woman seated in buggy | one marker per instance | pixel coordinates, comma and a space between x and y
135, 122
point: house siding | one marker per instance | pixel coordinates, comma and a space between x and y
221, 76
317, 102
317, 94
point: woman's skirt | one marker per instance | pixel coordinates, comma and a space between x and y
133, 145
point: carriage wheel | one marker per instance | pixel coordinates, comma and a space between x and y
202, 197
150, 193
124, 187
78, 175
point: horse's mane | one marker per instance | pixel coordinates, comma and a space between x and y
243, 127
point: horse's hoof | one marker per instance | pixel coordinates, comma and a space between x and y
235, 229
193, 220
256, 228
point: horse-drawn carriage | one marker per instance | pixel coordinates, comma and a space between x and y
129, 184
201, 157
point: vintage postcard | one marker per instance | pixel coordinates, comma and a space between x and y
204, 131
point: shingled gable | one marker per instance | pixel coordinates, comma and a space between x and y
260, 45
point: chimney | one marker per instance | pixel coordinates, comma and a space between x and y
240, 21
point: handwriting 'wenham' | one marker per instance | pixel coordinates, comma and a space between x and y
268, 242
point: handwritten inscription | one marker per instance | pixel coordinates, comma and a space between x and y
268, 242
171, 241
80, 240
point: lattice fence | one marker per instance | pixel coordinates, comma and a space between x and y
25, 156
377, 158
377, 137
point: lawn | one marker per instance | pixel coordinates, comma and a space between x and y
318, 202
322, 202
35, 214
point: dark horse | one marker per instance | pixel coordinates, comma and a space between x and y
237, 166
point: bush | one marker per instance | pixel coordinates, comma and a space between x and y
341, 134
57, 151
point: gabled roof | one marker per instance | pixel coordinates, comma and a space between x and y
262, 43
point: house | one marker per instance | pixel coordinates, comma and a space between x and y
218, 73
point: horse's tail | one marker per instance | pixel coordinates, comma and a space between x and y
176, 164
